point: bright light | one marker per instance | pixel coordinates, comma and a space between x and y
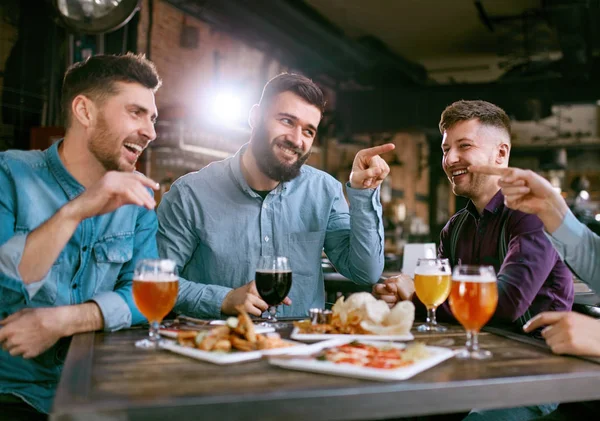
227, 108
597, 217
584, 194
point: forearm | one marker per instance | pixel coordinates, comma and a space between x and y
44, 244
80, 318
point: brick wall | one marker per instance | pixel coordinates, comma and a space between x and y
191, 74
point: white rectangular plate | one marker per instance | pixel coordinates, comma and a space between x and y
229, 357
172, 333
325, 336
438, 355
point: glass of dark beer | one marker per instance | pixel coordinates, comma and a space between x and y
273, 282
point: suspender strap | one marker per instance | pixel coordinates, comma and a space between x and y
460, 221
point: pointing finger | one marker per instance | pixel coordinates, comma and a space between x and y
377, 150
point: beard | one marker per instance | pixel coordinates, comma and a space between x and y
267, 161
105, 148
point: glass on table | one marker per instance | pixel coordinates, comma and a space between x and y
155, 287
473, 301
273, 282
432, 286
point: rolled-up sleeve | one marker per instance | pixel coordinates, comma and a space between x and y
116, 311
355, 236
12, 244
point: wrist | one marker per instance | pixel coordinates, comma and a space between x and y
554, 212
71, 212
63, 321
225, 304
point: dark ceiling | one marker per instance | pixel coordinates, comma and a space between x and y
397, 64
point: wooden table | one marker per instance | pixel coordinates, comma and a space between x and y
106, 377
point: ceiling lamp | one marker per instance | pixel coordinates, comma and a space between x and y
95, 16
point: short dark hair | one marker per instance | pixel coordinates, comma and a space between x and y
96, 78
297, 84
487, 113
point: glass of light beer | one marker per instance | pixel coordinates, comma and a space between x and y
155, 286
473, 301
432, 286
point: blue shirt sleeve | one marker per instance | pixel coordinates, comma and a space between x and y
11, 243
355, 239
579, 248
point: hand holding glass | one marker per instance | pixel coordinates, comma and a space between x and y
473, 301
432, 286
155, 286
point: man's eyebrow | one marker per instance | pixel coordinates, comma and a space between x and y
293, 117
143, 109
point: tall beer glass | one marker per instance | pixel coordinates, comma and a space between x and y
432, 286
273, 281
155, 286
473, 301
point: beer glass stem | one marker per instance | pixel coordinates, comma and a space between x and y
271, 312
431, 321
154, 335
472, 341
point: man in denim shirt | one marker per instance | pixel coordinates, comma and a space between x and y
74, 219
215, 223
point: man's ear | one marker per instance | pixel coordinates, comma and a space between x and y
254, 116
83, 110
503, 154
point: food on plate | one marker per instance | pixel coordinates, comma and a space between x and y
362, 313
237, 334
380, 356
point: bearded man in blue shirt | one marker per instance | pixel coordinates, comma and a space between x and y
217, 222
74, 219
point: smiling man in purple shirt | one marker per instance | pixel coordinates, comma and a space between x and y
531, 276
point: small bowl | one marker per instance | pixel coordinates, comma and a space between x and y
320, 316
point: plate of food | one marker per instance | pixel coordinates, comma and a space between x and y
172, 331
362, 317
371, 360
235, 341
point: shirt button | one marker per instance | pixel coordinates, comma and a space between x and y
84, 248
264, 206
74, 286
266, 238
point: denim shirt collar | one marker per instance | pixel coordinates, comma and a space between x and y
238, 176
71, 186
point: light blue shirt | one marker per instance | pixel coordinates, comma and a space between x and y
579, 248
97, 263
215, 227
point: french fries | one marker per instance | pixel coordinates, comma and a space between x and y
238, 334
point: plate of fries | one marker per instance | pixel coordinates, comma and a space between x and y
363, 317
235, 341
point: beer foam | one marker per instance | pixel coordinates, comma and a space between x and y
434, 270
156, 277
482, 279
273, 271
